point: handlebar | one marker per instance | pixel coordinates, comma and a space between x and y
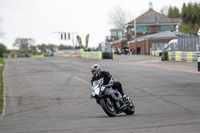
108, 85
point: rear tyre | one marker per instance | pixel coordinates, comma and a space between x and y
108, 106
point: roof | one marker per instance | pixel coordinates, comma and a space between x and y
152, 17
116, 29
161, 35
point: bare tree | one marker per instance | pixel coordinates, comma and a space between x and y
164, 10
119, 18
24, 43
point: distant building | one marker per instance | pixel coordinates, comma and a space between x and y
116, 34
139, 29
151, 22
142, 45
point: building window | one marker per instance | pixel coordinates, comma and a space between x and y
129, 30
113, 33
120, 33
148, 29
165, 28
142, 29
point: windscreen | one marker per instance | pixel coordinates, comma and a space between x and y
98, 82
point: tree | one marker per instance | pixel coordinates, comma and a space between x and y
3, 49
184, 13
63, 47
173, 12
24, 43
190, 14
164, 10
119, 18
191, 18
52, 47
33, 49
42, 47
196, 12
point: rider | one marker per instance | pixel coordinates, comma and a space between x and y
98, 74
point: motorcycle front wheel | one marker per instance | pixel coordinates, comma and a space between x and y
108, 106
130, 108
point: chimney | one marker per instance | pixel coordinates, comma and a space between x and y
150, 6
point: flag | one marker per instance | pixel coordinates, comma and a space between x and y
79, 40
87, 38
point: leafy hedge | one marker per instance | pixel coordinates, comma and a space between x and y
5, 55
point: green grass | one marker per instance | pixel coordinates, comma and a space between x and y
1, 61
1, 84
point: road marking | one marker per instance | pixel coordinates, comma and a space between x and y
81, 80
151, 61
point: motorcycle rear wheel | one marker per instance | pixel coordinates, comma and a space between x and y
108, 106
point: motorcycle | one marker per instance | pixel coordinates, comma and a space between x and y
111, 99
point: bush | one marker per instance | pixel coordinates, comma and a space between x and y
3, 49
14, 53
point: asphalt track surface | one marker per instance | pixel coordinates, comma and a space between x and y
52, 95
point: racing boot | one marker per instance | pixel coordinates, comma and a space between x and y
127, 100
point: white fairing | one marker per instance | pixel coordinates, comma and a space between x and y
96, 85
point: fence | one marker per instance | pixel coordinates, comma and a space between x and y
188, 42
184, 48
184, 42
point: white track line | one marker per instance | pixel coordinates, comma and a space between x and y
81, 80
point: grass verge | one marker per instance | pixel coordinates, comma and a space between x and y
1, 84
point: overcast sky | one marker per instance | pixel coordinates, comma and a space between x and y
38, 19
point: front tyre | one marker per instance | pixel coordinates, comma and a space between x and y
108, 106
130, 109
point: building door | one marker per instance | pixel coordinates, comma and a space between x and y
138, 50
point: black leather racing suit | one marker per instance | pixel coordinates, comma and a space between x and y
107, 77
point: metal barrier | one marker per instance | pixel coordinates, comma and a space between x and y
88, 55
69, 53
91, 55
189, 56
180, 56
177, 56
33, 56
